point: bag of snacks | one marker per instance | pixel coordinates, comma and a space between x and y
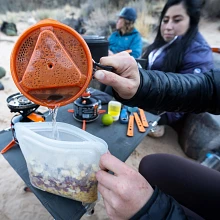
65, 166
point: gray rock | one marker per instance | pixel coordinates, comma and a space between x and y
200, 133
2, 72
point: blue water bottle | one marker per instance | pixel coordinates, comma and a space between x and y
211, 160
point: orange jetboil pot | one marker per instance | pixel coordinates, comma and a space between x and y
51, 64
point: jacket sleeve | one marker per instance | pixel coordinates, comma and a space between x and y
177, 92
160, 206
136, 46
197, 60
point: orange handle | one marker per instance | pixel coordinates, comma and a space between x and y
71, 110
84, 125
128, 51
35, 117
8, 147
102, 111
130, 131
139, 123
143, 118
216, 49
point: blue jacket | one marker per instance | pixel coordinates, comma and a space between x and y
197, 59
131, 41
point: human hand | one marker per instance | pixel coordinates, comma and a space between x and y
110, 53
125, 192
126, 79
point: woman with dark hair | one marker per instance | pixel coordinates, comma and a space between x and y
178, 47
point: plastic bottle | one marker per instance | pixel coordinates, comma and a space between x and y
211, 160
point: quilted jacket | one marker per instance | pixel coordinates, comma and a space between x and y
197, 59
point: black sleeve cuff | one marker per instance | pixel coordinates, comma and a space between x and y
147, 206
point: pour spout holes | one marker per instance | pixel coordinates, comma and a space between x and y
50, 65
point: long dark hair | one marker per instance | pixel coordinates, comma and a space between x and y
175, 53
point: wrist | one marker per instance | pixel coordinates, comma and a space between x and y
147, 205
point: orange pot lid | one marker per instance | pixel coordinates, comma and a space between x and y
51, 64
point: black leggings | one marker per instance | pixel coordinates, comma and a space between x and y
193, 185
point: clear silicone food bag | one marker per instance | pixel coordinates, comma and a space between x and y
65, 167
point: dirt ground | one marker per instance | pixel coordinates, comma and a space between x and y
16, 204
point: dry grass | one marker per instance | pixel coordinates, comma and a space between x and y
144, 24
9, 17
98, 15
101, 18
147, 19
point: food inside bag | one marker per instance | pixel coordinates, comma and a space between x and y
65, 168
76, 181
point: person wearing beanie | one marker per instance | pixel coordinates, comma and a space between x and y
126, 36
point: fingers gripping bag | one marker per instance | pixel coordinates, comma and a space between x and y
65, 167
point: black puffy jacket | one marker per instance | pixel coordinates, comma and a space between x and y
177, 92
160, 207
173, 92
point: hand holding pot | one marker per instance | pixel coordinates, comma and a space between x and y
125, 192
125, 81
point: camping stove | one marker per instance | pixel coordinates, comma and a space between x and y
26, 111
86, 108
